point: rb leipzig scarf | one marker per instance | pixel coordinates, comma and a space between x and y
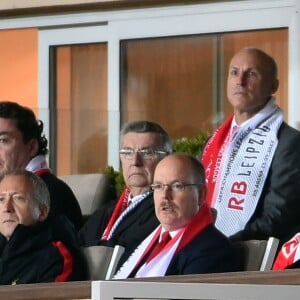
236, 171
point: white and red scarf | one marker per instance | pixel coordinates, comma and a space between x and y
236, 171
122, 202
288, 254
158, 265
38, 165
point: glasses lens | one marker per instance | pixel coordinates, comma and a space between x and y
177, 187
146, 153
157, 187
127, 153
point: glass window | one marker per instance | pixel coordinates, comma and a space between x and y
180, 82
80, 112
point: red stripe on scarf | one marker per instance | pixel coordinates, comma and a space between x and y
210, 156
201, 220
40, 172
67, 259
116, 213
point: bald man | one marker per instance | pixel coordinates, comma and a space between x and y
252, 161
186, 241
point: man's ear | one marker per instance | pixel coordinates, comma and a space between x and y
202, 193
33, 147
275, 85
44, 211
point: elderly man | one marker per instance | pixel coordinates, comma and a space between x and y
143, 144
34, 247
252, 161
24, 146
186, 241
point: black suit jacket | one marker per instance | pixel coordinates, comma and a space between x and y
209, 252
278, 211
136, 226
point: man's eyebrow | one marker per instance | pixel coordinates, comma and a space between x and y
5, 133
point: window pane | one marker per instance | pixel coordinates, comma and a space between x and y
81, 108
180, 82
169, 81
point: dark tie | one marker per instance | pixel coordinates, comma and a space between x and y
159, 246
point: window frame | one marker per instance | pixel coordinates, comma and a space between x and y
114, 26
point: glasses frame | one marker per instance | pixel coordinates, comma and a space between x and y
160, 187
145, 154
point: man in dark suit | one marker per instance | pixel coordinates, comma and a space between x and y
24, 146
186, 241
252, 161
142, 145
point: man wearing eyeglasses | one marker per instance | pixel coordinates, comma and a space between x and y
143, 144
186, 241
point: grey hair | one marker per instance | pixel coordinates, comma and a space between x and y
39, 193
145, 127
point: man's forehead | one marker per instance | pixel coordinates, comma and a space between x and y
7, 126
141, 139
8, 121
15, 181
172, 165
248, 59
8, 192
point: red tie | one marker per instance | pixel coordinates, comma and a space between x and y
159, 246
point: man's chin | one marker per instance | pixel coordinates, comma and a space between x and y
138, 181
8, 233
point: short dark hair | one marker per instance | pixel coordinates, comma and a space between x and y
26, 123
145, 127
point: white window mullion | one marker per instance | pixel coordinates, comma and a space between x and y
294, 68
113, 97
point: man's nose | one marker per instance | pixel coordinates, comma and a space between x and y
137, 159
242, 78
7, 204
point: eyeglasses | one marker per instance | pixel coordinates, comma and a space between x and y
173, 187
146, 154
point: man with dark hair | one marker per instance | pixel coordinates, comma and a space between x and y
142, 145
34, 247
24, 146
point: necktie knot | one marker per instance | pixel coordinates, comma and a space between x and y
235, 131
165, 238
